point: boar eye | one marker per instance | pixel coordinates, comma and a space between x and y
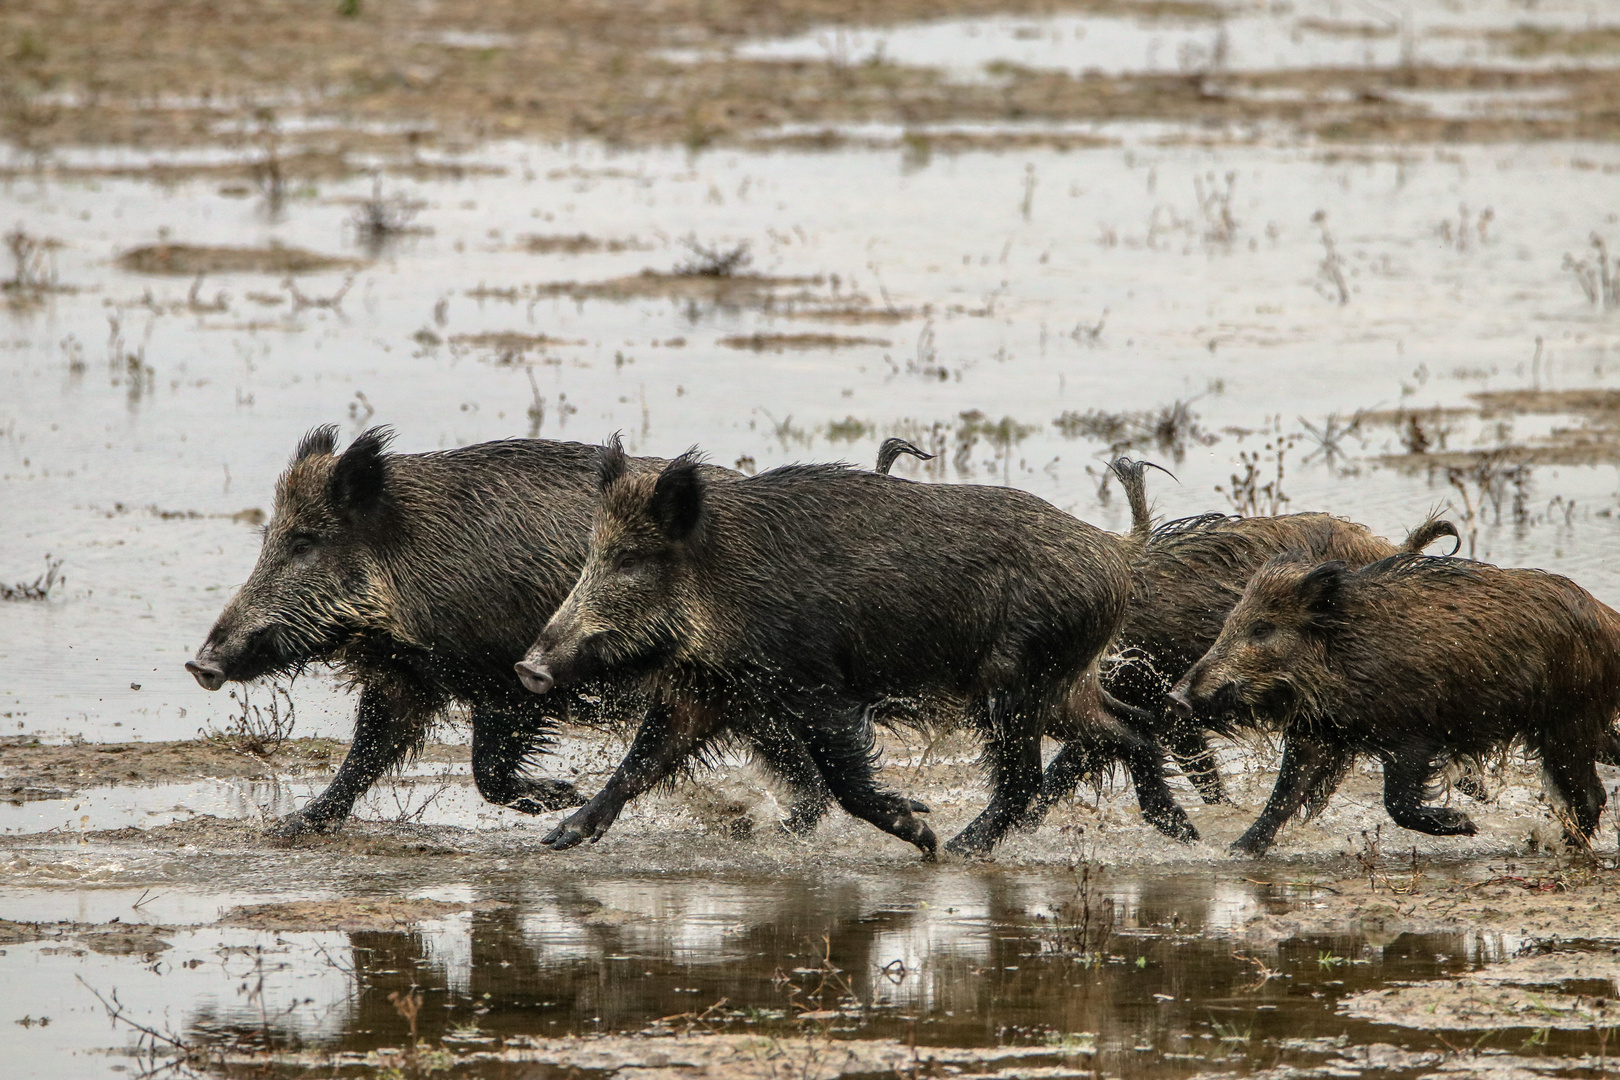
301, 546
1260, 631
627, 564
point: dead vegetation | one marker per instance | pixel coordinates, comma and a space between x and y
381, 220
576, 244
762, 342
1170, 429
38, 589
187, 260
258, 730
33, 270
1597, 274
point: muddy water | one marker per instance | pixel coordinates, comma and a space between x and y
948, 958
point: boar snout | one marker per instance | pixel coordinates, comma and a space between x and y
1181, 699
209, 675
536, 678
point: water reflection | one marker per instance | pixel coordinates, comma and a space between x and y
963, 958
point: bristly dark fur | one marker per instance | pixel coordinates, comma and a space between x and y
808, 593
481, 544
319, 440
1193, 572
613, 463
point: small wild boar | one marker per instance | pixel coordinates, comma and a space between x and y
1182, 589
809, 592
1420, 661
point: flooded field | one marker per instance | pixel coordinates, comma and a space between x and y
1350, 257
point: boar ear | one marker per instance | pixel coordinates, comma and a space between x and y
357, 479
677, 498
318, 440
1319, 589
613, 463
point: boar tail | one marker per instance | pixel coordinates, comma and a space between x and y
1133, 478
1430, 531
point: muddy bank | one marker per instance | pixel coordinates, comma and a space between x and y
1548, 898
108, 939
662, 1055
397, 80
31, 769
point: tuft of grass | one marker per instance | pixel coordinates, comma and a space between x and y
258, 730
713, 260
38, 589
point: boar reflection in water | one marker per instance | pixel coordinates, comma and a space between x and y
811, 591
1419, 661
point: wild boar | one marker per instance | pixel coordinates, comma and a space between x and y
1182, 589
1419, 661
423, 578
811, 591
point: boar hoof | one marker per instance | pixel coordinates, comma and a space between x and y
1249, 847
294, 826
967, 847
916, 807
589, 823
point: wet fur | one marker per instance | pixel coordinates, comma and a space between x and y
437, 571
1192, 575
809, 592
1422, 662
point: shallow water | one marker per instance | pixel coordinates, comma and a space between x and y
132, 481
1299, 36
944, 957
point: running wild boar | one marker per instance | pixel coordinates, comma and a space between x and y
423, 578
809, 592
1181, 592
1420, 661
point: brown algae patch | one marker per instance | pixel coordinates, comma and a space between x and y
576, 244
108, 939
760, 342
52, 770
187, 260
1530, 992
349, 914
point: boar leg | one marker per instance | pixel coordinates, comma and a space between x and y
1407, 775
381, 742
1574, 780
1012, 750
669, 734
1305, 765
845, 754
500, 746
